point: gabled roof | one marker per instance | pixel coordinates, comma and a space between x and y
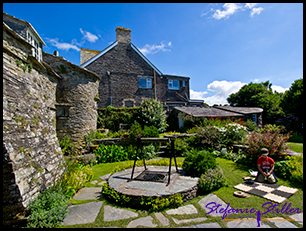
27, 24
99, 55
111, 47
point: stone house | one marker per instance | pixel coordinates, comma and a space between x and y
128, 77
245, 113
45, 98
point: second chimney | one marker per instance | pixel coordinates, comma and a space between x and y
123, 35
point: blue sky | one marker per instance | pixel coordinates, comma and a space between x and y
220, 46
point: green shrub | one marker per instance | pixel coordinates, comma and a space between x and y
152, 113
296, 137
296, 168
149, 203
112, 117
48, 209
75, 177
136, 132
197, 162
148, 151
114, 153
234, 133
208, 137
66, 146
211, 180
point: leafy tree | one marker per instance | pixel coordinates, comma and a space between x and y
259, 95
291, 101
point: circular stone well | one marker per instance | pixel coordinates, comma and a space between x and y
185, 185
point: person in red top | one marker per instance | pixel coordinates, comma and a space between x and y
265, 166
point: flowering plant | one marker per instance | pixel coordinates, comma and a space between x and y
211, 180
273, 141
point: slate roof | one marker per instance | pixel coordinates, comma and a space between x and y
243, 110
219, 111
206, 112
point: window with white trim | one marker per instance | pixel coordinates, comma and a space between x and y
145, 83
173, 84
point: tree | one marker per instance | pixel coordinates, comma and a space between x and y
259, 95
292, 99
291, 103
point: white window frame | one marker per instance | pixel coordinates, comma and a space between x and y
171, 84
148, 83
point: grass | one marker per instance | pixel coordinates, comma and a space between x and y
296, 147
233, 173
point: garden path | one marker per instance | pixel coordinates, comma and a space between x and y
88, 212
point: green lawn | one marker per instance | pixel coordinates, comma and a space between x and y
296, 147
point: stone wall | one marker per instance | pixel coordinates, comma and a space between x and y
87, 54
76, 106
32, 158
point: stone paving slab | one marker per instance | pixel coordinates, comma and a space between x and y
143, 221
247, 224
204, 225
115, 214
198, 219
88, 193
105, 177
162, 219
298, 217
187, 209
82, 214
212, 198
282, 224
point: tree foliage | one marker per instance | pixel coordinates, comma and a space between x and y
291, 101
259, 95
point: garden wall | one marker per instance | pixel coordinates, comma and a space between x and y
32, 158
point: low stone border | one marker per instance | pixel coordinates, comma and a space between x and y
184, 185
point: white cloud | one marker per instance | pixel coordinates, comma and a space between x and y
250, 5
152, 49
222, 90
256, 11
89, 36
197, 94
230, 8
63, 45
279, 89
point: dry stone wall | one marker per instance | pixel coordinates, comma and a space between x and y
32, 158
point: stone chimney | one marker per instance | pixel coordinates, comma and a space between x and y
123, 35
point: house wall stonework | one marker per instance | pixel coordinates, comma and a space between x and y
120, 69
125, 67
